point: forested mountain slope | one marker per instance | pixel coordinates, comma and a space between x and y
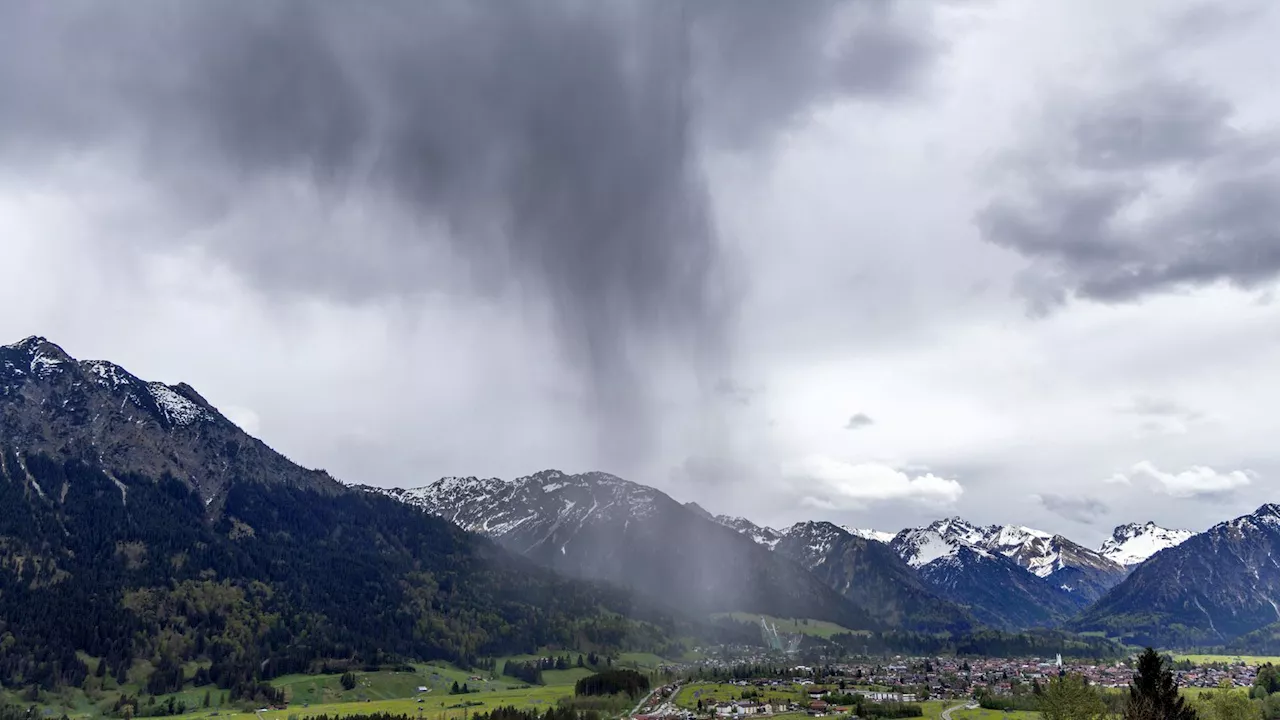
1209, 589
259, 569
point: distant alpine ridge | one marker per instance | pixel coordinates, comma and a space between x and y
598, 526
948, 574
1006, 576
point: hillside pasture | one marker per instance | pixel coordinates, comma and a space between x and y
791, 626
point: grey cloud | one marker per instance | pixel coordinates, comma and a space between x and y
859, 421
1085, 510
1087, 207
1147, 405
749, 81
734, 392
1203, 21
554, 145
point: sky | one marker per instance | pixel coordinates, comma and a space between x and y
871, 262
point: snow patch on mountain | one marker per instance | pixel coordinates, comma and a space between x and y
108, 374
1133, 543
877, 535
176, 408
760, 534
531, 508
941, 539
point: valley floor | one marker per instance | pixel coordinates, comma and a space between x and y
386, 691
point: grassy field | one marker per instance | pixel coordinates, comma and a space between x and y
639, 661
432, 707
381, 691
689, 695
984, 714
792, 626
933, 708
1231, 659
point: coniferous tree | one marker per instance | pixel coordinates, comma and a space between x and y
1268, 679
348, 681
1153, 694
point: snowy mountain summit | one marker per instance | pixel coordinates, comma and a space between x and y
869, 534
1133, 543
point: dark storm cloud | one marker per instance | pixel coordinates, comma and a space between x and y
750, 78
859, 421
1085, 510
554, 144
1149, 189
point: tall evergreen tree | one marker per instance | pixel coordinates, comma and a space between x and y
1153, 694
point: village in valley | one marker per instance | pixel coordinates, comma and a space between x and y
909, 685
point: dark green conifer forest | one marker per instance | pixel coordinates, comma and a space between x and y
281, 580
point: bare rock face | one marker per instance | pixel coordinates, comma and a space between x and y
101, 413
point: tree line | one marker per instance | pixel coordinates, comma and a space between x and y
500, 713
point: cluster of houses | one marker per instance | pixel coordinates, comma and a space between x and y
918, 679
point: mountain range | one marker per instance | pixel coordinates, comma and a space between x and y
950, 574
1210, 589
142, 524
598, 526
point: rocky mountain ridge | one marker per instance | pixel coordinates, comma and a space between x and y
101, 413
596, 525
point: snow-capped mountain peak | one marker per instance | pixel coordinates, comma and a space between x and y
958, 529
869, 534
533, 506
1068, 565
760, 534
942, 539
1133, 543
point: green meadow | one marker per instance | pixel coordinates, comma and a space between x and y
792, 626
1230, 659
381, 691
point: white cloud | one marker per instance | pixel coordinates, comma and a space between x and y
1196, 481
245, 418
838, 485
